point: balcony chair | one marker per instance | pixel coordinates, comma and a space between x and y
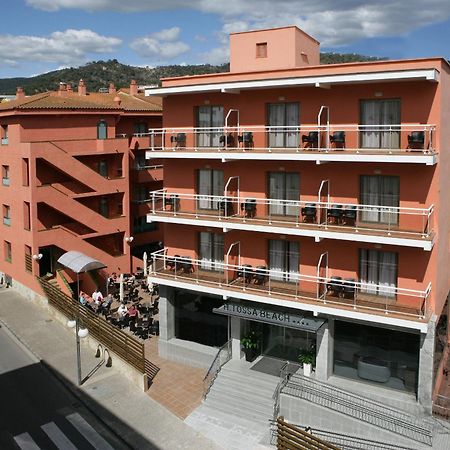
173, 263
335, 214
173, 202
186, 264
245, 272
179, 140
226, 206
348, 288
338, 139
311, 140
335, 286
227, 140
309, 212
249, 207
246, 139
349, 215
260, 275
416, 140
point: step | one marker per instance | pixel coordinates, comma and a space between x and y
256, 399
245, 387
249, 378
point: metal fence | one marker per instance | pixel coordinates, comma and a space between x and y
221, 358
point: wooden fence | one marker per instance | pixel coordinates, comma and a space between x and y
292, 437
130, 349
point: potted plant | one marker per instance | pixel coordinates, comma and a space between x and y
308, 359
250, 343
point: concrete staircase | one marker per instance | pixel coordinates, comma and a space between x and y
238, 408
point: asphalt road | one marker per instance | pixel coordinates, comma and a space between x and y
38, 412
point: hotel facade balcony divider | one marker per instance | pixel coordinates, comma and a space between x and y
412, 227
340, 142
377, 301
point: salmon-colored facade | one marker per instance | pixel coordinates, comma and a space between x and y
75, 178
317, 189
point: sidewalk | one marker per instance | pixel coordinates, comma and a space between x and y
136, 417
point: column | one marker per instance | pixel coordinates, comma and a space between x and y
325, 349
166, 313
426, 358
235, 335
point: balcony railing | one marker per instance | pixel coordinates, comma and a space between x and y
326, 290
143, 166
351, 138
330, 216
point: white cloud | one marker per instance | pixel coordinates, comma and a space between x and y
163, 44
332, 22
65, 48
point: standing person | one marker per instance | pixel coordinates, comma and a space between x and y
97, 296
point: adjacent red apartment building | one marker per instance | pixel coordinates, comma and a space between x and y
308, 204
74, 177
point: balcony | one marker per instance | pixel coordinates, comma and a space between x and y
322, 294
403, 143
411, 227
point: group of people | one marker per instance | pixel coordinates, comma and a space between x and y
96, 301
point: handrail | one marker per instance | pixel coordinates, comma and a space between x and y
215, 367
359, 407
284, 375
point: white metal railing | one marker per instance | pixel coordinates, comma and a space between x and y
292, 285
356, 138
148, 167
329, 215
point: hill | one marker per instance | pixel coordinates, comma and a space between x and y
98, 74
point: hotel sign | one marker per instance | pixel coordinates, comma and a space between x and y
285, 318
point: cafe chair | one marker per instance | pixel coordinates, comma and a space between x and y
309, 212
416, 140
311, 140
246, 139
179, 140
338, 139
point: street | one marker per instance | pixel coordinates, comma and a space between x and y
38, 412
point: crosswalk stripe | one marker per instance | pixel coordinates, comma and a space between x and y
88, 432
25, 442
57, 436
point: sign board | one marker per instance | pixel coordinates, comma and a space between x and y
259, 313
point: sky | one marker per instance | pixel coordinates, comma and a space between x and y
38, 36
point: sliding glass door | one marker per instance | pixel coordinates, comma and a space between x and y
210, 117
211, 251
281, 115
284, 260
210, 182
380, 118
378, 272
383, 193
284, 186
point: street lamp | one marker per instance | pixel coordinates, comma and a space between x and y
80, 332
37, 257
129, 240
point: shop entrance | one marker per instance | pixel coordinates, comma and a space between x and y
282, 342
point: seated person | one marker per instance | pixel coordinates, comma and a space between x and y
133, 312
82, 298
122, 311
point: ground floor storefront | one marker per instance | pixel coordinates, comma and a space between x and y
193, 326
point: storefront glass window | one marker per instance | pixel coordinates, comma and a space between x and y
195, 320
376, 355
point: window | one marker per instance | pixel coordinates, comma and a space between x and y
210, 118
140, 225
103, 168
4, 134
380, 191
26, 216
103, 207
5, 176
211, 251
284, 186
28, 259
380, 112
7, 251
102, 130
210, 182
378, 272
261, 50
140, 128
283, 124
25, 172
7, 215
284, 256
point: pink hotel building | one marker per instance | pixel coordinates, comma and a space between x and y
309, 204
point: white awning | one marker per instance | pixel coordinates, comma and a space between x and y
79, 262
